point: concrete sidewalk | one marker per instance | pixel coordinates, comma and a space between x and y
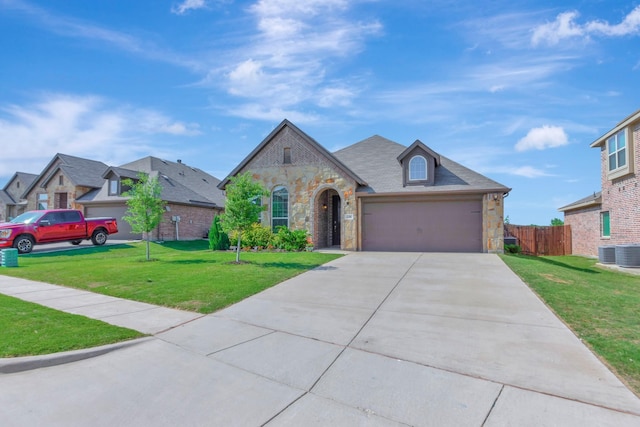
382, 339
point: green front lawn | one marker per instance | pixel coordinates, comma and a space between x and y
601, 306
31, 329
184, 275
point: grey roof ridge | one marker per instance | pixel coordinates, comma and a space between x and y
303, 135
590, 200
498, 185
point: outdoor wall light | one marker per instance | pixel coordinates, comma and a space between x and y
324, 206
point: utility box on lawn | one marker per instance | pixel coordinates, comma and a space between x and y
9, 258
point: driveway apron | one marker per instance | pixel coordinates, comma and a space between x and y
380, 339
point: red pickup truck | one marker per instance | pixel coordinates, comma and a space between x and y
49, 226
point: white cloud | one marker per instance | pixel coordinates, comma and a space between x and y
565, 27
528, 172
289, 58
187, 5
543, 137
85, 126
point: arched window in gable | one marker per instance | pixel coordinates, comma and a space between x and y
418, 169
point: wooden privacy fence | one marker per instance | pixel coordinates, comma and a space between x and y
548, 240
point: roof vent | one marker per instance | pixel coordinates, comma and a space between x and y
179, 161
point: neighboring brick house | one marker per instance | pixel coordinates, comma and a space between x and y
375, 195
191, 195
611, 216
12, 202
63, 181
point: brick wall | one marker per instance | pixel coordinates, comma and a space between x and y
585, 230
194, 222
621, 197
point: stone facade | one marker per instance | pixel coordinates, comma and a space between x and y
493, 223
585, 230
621, 198
310, 179
15, 188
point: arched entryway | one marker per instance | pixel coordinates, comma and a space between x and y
328, 210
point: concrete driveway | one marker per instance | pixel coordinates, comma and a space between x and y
380, 339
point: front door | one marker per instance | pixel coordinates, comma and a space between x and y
335, 215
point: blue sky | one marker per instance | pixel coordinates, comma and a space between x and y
516, 90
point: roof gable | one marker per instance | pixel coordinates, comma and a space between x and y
376, 159
418, 145
306, 138
81, 172
628, 121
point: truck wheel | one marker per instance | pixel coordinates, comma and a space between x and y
23, 243
76, 242
99, 237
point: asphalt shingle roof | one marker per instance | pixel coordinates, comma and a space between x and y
180, 182
592, 199
375, 159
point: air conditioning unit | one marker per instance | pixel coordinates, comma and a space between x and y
607, 254
628, 255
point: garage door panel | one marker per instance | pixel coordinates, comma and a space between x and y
124, 228
430, 226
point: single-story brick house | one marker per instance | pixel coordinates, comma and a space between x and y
375, 195
612, 215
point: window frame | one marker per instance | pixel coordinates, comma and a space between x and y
42, 198
613, 152
605, 224
117, 184
276, 193
410, 178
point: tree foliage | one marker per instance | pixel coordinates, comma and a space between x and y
218, 239
557, 221
144, 205
242, 207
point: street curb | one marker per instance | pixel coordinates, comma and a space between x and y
28, 363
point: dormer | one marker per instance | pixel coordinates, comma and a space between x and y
115, 176
418, 165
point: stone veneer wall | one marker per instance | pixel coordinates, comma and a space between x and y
493, 223
621, 198
306, 178
585, 230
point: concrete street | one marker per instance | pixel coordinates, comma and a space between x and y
375, 339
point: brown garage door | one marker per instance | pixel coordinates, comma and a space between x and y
422, 226
124, 229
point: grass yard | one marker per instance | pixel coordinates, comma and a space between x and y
184, 275
601, 306
31, 329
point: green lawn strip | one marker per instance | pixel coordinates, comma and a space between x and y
184, 275
601, 306
28, 329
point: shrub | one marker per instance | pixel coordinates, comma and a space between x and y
218, 239
257, 236
512, 249
289, 240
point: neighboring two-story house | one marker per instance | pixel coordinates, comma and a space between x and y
191, 195
611, 216
12, 202
375, 195
68, 182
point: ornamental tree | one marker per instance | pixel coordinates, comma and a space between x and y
144, 206
242, 208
